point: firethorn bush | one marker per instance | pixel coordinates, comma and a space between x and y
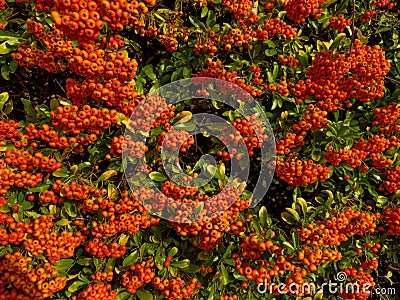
325, 72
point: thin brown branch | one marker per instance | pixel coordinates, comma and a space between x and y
392, 80
353, 25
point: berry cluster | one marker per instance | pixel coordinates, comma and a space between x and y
27, 282
290, 142
392, 218
92, 64
124, 144
103, 276
207, 44
27, 162
228, 297
155, 106
22, 179
84, 20
363, 279
250, 130
176, 288
175, 191
55, 246
97, 291
380, 3
114, 42
339, 22
9, 131
373, 264
386, 118
216, 70
11, 231
392, 182
30, 56
91, 119
205, 235
56, 140
236, 37
380, 161
280, 88
301, 172
314, 118
335, 230
353, 157
56, 49
113, 92
313, 258
277, 26
98, 248
299, 10
240, 9
175, 140
335, 78
288, 60
367, 16
142, 274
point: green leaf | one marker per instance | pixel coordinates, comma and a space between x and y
205, 255
4, 49
225, 275
62, 222
157, 176
256, 225
70, 208
5, 72
8, 107
39, 189
63, 265
12, 66
181, 264
30, 111
84, 261
123, 296
130, 259
187, 72
204, 11
107, 175
263, 214
303, 58
8, 35
188, 126
270, 52
288, 218
195, 22
303, 205
54, 104
62, 172
177, 74
26, 205
319, 295
75, 286
3, 99
336, 42
144, 294
211, 18
173, 251
287, 244
295, 239
294, 213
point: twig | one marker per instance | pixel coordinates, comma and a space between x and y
392, 80
353, 25
58, 83
26, 90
